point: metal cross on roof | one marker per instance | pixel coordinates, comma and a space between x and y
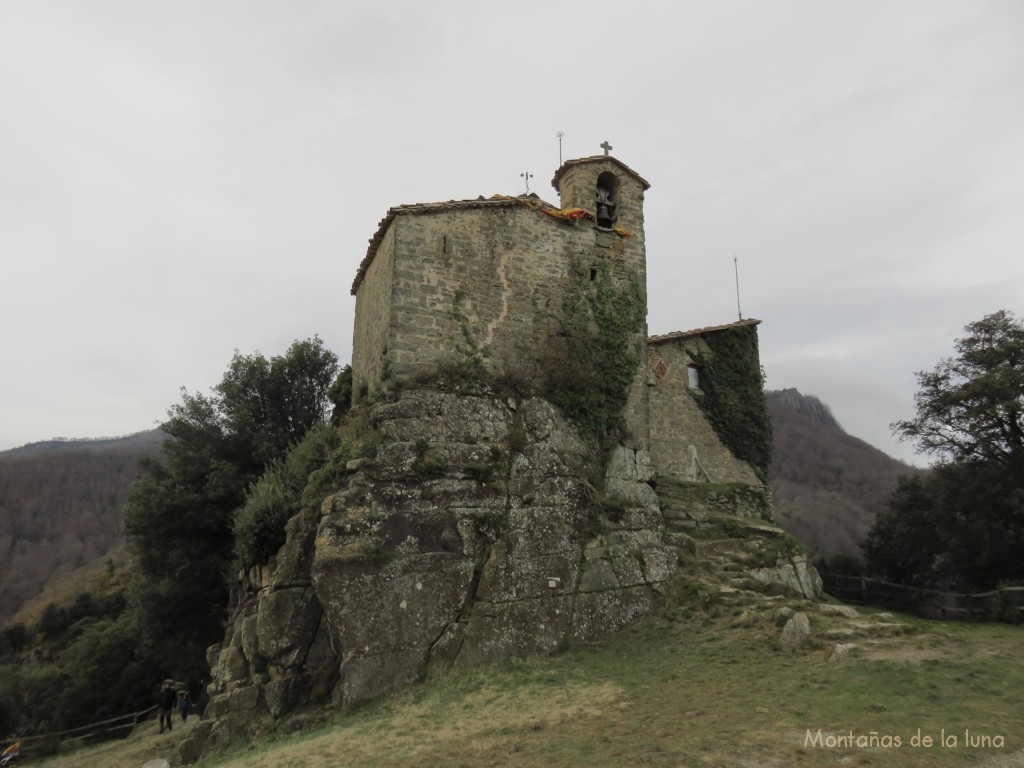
606, 147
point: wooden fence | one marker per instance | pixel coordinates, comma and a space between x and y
1005, 604
48, 743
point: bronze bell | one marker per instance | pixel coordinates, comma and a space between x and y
604, 215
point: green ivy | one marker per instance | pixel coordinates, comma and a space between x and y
469, 349
603, 326
733, 395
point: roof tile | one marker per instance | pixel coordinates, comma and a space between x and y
701, 331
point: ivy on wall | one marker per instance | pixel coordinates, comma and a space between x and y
603, 327
466, 346
733, 395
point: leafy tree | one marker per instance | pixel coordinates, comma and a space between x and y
903, 544
103, 676
340, 394
962, 525
53, 622
178, 520
970, 406
180, 513
14, 637
30, 698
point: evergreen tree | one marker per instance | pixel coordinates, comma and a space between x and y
179, 516
962, 525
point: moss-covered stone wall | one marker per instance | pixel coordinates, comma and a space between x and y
687, 444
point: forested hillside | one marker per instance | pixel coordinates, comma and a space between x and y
95, 649
60, 506
828, 485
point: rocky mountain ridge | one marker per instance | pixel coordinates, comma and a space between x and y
807, 405
136, 441
827, 485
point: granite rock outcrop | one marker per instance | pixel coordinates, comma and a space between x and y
472, 535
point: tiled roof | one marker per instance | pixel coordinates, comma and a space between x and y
594, 158
416, 209
701, 331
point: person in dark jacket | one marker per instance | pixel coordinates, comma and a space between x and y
165, 704
184, 705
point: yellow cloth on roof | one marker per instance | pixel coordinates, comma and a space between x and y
566, 214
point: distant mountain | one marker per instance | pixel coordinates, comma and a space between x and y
60, 507
828, 485
138, 441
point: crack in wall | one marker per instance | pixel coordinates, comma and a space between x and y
440, 636
502, 261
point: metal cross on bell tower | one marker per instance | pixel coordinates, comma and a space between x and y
606, 147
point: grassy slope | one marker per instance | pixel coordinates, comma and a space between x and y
676, 694
146, 744
698, 690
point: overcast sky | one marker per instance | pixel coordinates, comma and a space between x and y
182, 179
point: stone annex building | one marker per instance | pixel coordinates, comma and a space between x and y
467, 526
501, 269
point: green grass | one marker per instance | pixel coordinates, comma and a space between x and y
697, 693
700, 690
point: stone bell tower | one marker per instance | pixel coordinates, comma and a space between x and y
613, 193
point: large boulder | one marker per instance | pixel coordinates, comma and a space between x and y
795, 633
470, 536
794, 576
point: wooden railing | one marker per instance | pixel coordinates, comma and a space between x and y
1006, 604
48, 743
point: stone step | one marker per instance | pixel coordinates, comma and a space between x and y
716, 546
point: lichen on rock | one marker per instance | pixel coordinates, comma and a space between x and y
468, 537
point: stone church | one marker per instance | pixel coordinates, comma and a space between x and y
469, 526
501, 269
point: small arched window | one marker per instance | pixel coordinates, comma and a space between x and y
607, 199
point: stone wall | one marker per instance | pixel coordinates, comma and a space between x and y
500, 274
488, 283
684, 445
372, 327
478, 281
488, 279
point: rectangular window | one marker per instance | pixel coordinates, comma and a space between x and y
693, 376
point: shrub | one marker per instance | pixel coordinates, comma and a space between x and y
283, 489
